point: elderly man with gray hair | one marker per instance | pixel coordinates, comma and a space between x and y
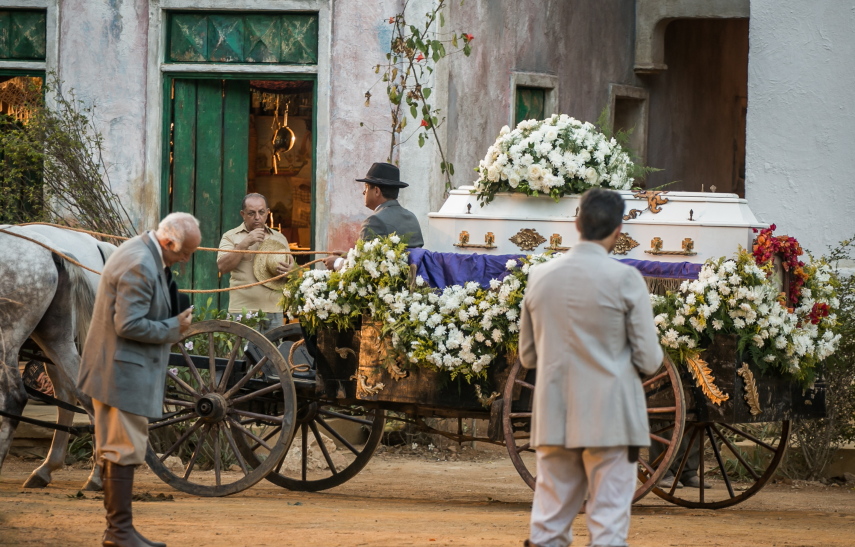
123, 367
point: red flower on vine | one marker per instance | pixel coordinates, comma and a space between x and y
425, 123
391, 20
420, 58
469, 37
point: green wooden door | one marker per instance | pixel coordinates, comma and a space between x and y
208, 170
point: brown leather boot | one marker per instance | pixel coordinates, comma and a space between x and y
118, 493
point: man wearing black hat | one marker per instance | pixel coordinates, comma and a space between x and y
381, 195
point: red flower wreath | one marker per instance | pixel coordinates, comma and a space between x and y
767, 246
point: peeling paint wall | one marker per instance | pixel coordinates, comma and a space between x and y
103, 49
360, 40
801, 112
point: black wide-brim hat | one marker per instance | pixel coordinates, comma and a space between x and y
384, 174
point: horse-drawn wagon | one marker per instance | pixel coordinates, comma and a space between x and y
417, 335
273, 401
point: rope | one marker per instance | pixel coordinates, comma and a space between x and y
215, 249
186, 291
280, 276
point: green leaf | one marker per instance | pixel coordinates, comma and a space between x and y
467, 49
421, 140
426, 92
451, 168
413, 111
454, 40
441, 19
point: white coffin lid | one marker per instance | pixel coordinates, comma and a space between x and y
708, 209
719, 223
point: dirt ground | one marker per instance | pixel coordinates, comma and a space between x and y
426, 498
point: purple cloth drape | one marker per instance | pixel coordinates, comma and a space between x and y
443, 269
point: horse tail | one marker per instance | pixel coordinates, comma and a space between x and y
82, 299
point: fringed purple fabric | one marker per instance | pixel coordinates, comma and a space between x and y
440, 270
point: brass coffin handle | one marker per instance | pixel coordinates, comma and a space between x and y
656, 248
463, 241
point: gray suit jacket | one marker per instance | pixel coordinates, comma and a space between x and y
587, 326
390, 218
126, 352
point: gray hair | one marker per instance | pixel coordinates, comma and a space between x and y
174, 226
252, 195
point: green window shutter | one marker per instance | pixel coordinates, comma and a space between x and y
23, 35
300, 40
530, 103
188, 38
263, 38
225, 38
287, 38
5, 26
28, 35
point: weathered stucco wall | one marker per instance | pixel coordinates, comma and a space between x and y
561, 37
103, 58
360, 40
800, 163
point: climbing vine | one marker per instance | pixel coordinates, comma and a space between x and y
414, 51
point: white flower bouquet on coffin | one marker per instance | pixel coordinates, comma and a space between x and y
556, 156
737, 297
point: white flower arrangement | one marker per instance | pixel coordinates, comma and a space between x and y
372, 272
736, 297
460, 329
556, 156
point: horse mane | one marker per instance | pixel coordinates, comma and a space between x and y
106, 249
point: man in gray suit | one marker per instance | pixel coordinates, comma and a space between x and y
587, 327
123, 366
382, 184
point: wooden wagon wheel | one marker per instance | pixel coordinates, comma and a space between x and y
211, 407
749, 451
665, 409
332, 443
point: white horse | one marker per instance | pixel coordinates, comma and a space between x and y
50, 300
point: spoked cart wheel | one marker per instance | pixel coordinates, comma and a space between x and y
738, 460
216, 395
333, 441
665, 409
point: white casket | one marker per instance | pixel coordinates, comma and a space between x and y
661, 226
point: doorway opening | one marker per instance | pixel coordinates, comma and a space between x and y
21, 187
230, 137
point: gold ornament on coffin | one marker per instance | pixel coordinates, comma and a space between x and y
751, 396
527, 239
705, 380
632, 214
624, 244
654, 199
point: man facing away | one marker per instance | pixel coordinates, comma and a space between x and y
249, 235
123, 366
587, 327
382, 184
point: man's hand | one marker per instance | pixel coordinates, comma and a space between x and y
255, 236
329, 261
283, 268
184, 320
